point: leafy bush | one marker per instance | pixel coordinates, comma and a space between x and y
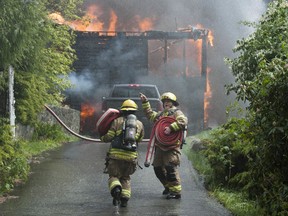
44, 131
227, 153
236, 201
238, 155
15, 155
13, 163
261, 71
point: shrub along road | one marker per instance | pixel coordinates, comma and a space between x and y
70, 181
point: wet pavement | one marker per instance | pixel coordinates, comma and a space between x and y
70, 181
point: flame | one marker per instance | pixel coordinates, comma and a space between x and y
56, 17
144, 24
92, 21
210, 38
207, 97
89, 22
87, 110
113, 21
89, 115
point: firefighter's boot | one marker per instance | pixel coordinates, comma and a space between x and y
166, 191
124, 202
116, 193
173, 196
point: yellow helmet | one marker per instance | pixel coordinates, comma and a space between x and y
169, 96
129, 105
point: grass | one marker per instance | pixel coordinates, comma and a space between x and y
234, 201
237, 203
198, 160
32, 148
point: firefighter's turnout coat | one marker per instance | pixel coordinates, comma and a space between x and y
166, 160
121, 163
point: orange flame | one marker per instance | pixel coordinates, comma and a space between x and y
210, 38
56, 17
91, 21
144, 24
113, 21
87, 110
207, 97
90, 113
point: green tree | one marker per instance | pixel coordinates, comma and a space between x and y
261, 78
69, 9
41, 53
39, 50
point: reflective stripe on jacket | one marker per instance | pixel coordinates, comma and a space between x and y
121, 154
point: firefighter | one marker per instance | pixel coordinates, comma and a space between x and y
166, 161
124, 134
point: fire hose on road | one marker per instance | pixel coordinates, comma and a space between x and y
165, 141
68, 129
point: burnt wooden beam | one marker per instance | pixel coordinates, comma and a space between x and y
204, 62
194, 34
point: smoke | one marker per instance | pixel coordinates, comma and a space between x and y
83, 84
222, 17
80, 83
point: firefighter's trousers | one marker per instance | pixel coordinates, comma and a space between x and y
119, 175
166, 169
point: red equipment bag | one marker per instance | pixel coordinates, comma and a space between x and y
105, 121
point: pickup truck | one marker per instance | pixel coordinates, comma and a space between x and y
121, 92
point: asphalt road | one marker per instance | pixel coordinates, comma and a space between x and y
70, 181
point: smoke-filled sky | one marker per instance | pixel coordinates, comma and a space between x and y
222, 17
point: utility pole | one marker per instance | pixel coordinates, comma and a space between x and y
12, 101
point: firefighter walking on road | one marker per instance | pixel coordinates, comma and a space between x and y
167, 156
124, 134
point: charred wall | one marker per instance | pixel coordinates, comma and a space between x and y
105, 59
118, 58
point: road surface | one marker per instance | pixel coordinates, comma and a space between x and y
70, 181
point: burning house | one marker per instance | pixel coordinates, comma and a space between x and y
123, 57
175, 61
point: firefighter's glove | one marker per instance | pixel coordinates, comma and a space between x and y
143, 97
